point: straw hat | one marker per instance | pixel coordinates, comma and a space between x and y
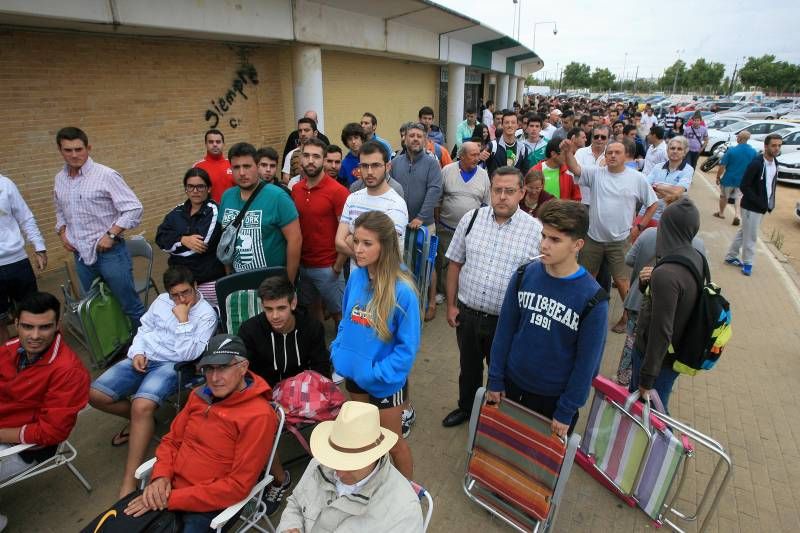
352, 441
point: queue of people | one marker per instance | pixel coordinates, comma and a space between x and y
531, 222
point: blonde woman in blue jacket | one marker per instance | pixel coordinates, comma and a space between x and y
379, 334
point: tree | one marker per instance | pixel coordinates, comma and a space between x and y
602, 79
767, 73
673, 73
704, 75
577, 75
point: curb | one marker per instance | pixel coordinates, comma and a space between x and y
787, 267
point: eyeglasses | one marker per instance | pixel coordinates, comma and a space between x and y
196, 188
175, 296
600, 137
508, 191
365, 167
210, 369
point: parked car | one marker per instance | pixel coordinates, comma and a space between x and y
718, 137
791, 140
794, 116
789, 168
720, 106
753, 112
718, 122
686, 115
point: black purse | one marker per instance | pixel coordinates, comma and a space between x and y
114, 520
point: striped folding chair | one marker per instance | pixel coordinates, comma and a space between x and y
517, 468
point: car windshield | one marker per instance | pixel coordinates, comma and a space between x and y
736, 126
739, 107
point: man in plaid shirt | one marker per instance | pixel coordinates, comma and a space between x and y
488, 246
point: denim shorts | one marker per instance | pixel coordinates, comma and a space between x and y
321, 283
156, 383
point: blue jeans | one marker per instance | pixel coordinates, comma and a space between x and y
197, 522
158, 382
116, 269
663, 385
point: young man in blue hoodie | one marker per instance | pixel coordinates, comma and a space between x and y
552, 325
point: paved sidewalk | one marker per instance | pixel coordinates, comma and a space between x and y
749, 403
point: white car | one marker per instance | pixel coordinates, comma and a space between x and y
756, 111
794, 116
791, 140
758, 130
789, 168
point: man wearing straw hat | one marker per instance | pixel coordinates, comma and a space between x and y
350, 485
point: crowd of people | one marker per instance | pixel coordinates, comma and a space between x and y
535, 207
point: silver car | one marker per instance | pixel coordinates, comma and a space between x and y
753, 111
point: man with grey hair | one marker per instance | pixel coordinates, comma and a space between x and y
465, 186
730, 172
421, 178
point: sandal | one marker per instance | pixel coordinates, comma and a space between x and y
122, 438
719, 216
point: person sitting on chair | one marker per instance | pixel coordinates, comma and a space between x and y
350, 485
43, 385
282, 342
176, 328
217, 446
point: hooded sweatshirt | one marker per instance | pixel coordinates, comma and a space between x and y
216, 449
276, 356
673, 291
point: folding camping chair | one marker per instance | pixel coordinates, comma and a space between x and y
419, 255
237, 295
251, 509
517, 468
139, 247
423, 494
65, 454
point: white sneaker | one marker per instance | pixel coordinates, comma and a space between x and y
336, 378
440, 298
3, 522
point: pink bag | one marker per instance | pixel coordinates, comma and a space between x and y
308, 397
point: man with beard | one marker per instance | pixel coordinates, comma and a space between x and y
374, 167
319, 200
419, 174
306, 129
269, 234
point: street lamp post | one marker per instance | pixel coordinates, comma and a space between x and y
675, 82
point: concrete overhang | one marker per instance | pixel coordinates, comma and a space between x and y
409, 29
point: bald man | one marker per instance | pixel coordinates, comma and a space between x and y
294, 138
465, 186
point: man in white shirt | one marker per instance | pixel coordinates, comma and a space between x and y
377, 196
616, 191
175, 329
17, 279
488, 114
551, 124
649, 119
593, 154
656, 152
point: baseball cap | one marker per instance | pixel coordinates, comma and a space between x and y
222, 349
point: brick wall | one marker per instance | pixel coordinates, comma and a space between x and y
392, 89
142, 102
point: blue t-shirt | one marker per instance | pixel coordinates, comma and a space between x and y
542, 346
379, 367
260, 242
735, 162
347, 172
681, 176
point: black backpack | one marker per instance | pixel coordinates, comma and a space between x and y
709, 327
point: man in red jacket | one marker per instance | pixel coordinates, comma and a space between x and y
216, 164
218, 444
43, 385
557, 177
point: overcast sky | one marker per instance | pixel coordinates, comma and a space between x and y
600, 33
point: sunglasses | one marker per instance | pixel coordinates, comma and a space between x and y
600, 137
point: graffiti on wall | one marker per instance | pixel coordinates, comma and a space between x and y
246, 77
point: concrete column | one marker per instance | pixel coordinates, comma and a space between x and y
307, 70
520, 89
512, 90
502, 91
455, 100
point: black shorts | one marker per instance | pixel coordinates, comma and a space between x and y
395, 400
17, 280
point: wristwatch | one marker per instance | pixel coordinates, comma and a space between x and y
112, 236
